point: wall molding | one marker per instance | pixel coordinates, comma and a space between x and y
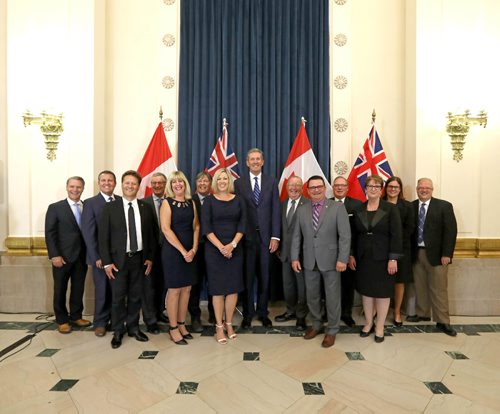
465, 248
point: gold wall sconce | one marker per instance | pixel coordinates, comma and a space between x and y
51, 127
458, 128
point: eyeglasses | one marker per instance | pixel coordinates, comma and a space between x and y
425, 188
340, 185
393, 187
316, 187
373, 187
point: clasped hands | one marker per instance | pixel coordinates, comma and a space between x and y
226, 250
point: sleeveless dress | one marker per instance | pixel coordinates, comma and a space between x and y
177, 272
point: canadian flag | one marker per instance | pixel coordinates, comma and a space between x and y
302, 162
157, 158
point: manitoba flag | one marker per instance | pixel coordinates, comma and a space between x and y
223, 155
302, 163
157, 158
370, 161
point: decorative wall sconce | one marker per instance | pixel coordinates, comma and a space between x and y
458, 128
51, 127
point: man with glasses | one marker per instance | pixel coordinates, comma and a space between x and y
340, 189
323, 234
433, 245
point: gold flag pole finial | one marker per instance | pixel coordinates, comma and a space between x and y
161, 113
374, 115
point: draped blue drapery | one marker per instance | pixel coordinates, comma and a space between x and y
262, 64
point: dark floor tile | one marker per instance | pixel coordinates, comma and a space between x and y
251, 356
355, 356
456, 355
64, 385
187, 388
148, 355
313, 388
48, 352
437, 387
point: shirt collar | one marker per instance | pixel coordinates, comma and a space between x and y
71, 202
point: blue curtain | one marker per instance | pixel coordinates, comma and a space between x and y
262, 64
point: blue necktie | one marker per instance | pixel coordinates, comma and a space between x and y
77, 213
421, 222
256, 191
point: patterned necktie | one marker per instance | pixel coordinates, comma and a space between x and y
316, 207
256, 191
289, 215
77, 213
110, 199
132, 231
421, 222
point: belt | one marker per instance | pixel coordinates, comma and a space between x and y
132, 254
420, 247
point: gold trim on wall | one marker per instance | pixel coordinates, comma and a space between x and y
465, 248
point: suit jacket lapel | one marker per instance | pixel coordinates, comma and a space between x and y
379, 214
69, 210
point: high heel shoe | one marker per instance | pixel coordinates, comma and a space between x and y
185, 336
180, 341
222, 340
379, 339
398, 323
234, 334
364, 334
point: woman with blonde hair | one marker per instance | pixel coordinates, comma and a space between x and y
180, 227
223, 222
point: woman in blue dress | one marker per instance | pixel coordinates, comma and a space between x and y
180, 227
223, 223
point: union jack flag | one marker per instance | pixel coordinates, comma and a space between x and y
223, 155
371, 161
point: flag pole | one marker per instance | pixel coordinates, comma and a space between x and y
374, 115
161, 114
224, 123
303, 120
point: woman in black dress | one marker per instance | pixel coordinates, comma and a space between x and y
180, 226
223, 223
376, 247
394, 194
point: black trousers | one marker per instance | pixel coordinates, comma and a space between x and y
126, 290
348, 281
153, 293
196, 289
74, 272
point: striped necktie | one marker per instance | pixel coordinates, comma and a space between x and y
256, 191
316, 207
421, 222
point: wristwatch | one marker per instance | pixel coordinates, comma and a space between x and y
234, 244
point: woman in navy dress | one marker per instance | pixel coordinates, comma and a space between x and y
394, 194
223, 223
180, 227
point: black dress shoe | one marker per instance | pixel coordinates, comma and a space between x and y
116, 341
284, 317
364, 334
139, 336
246, 323
266, 322
153, 328
379, 339
351, 323
446, 328
196, 326
301, 325
162, 318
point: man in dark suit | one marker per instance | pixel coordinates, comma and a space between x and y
294, 288
203, 185
340, 189
260, 193
66, 250
323, 234
90, 220
126, 245
433, 246
153, 295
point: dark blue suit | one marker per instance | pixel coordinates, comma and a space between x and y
263, 222
90, 220
64, 238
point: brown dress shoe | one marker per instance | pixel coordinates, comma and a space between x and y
328, 341
311, 333
64, 328
100, 331
82, 323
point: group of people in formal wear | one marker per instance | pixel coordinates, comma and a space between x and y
154, 255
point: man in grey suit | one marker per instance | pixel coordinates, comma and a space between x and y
324, 234
293, 283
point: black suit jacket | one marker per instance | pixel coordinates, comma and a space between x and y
440, 230
197, 203
113, 233
287, 229
157, 230
62, 234
384, 237
90, 221
266, 215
